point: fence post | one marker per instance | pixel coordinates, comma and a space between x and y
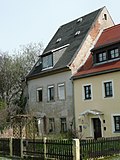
21, 145
10, 145
45, 149
76, 149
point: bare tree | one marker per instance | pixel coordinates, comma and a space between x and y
13, 69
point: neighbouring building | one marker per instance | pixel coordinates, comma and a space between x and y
50, 90
97, 88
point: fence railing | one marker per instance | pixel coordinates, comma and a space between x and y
99, 148
40, 149
59, 149
49, 149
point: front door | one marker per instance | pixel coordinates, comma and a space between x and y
97, 128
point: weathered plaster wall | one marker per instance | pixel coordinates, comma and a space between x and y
90, 40
58, 108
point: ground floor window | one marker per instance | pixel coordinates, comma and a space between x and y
63, 125
117, 123
51, 124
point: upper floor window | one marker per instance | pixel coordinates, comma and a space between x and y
116, 123
39, 95
87, 92
50, 93
47, 61
101, 57
114, 53
61, 91
108, 89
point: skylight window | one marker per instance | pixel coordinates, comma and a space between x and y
79, 20
77, 33
58, 40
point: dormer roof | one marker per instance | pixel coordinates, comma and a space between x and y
108, 37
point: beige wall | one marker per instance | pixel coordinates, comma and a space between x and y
109, 106
90, 40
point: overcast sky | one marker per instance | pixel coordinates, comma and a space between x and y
25, 21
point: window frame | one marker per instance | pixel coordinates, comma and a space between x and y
110, 54
103, 57
47, 66
63, 126
114, 124
105, 89
52, 125
38, 96
58, 91
84, 92
49, 99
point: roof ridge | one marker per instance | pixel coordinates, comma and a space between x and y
81, 16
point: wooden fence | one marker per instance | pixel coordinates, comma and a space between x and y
99, 148
49, 149
59, 149
40, 149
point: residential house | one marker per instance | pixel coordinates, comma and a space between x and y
97, 88
50, 90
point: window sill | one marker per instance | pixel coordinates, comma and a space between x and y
116, 132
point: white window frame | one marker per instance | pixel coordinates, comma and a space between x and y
58, 88
48, 93
47, 66
112, 120
103, 89
83, 92
37, 98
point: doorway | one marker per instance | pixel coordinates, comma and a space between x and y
97, 128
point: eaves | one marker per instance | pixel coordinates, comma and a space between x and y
47, 73
95, 74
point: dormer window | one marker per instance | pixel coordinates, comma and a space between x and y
101, 57
47, 61
58, 40
107, 56
77, 33
79, 20
114, 53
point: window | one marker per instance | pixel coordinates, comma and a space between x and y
47, 61
101, 57
39, 95
114, 53
50, 93
51, 125
108, 89
87, 92
116, 123
61, 91
63, 125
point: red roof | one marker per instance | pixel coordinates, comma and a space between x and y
89, 68
109, 35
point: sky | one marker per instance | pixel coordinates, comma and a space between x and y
26, 21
